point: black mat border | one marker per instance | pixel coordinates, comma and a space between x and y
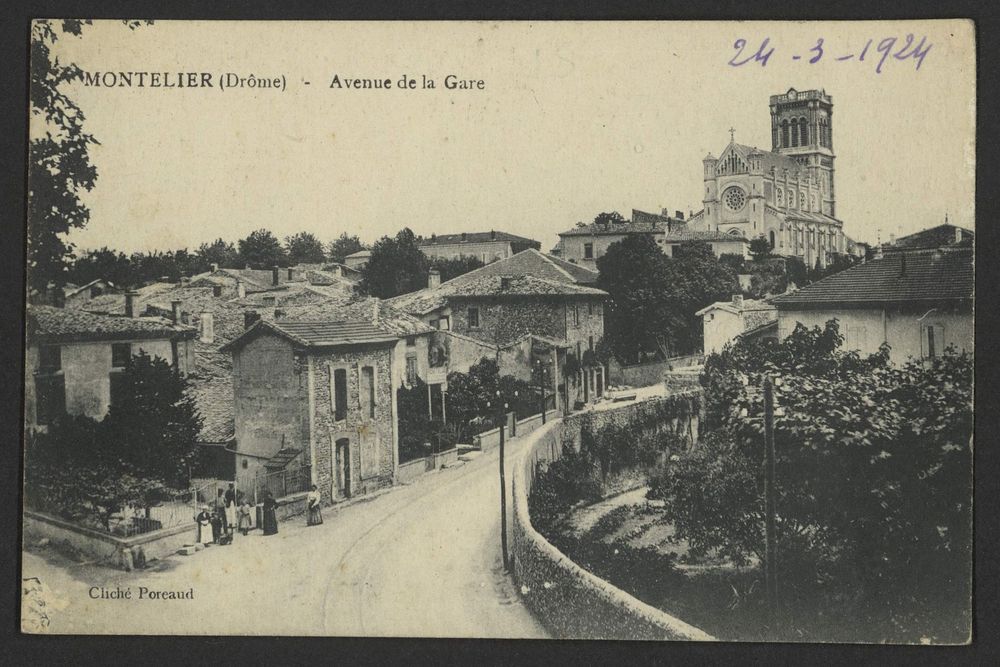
22, 649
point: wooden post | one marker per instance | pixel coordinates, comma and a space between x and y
770, 553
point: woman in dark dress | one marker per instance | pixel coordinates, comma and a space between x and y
270, 518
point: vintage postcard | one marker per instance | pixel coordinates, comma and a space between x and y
631, 330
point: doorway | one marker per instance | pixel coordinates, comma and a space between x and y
344, 466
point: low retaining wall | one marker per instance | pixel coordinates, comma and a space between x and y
643, 375
571, 602
111, 549
487, 440
409, 471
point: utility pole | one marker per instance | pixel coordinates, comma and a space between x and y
770, 550
502, 409
541, 384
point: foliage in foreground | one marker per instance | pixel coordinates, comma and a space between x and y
86, 470
874, 480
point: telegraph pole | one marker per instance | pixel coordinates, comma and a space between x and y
503, 484
770, 550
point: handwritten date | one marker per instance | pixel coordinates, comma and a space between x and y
879, 52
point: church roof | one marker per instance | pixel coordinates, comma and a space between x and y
769, 159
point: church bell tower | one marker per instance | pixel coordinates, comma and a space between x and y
802, 128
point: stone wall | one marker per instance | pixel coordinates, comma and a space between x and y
571, 602
504, 319
372, 440
113, 550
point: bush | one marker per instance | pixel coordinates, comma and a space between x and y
559, 486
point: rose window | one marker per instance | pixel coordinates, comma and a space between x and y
734, 198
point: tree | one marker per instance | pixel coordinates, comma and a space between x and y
397, 266
59, 167
304, 248
612, 218
217, 252
873, 479
153, 425
760, 247
453, 268
473, 402
262, 250
343, 246
654, 298
106, 264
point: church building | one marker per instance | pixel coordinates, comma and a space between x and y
786, 194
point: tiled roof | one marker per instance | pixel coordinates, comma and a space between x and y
935, 237
390, 320
769, 159
748, 305
360, 253
474, 237
114, 304
318, 333
944, 274
214, 399
49, 324
532, 273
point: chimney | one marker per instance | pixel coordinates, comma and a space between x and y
463, 237
275, 276
493, 235
738, 301
279, 313
958, 235
250, 318
679, 215
892, 239
433, 278
130, 304
289, 273
175, 311
505, 282
241, 289
215, 267
375, 312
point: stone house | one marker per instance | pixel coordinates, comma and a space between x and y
77, 296
322, 392
73, 358
584, 244
485, 246
920, 302
726, 321
527, 309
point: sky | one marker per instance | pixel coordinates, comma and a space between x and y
574, 119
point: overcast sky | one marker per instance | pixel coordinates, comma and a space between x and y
575, 119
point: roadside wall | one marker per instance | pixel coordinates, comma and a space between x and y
643, 375
571, 602
102, 547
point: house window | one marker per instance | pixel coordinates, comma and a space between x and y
339, 394
411, 341
590, 343
216, 290
588, 251
473, 318
411, 369
368, 384
50, 398
442, 324
268, 300
49, 358
120, 354
576, 315
590, 307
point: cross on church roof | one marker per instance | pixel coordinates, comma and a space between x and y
732, 134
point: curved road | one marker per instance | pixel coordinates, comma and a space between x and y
419, 560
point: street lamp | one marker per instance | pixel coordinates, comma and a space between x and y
502, 407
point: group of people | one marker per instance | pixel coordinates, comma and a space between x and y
231, 511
